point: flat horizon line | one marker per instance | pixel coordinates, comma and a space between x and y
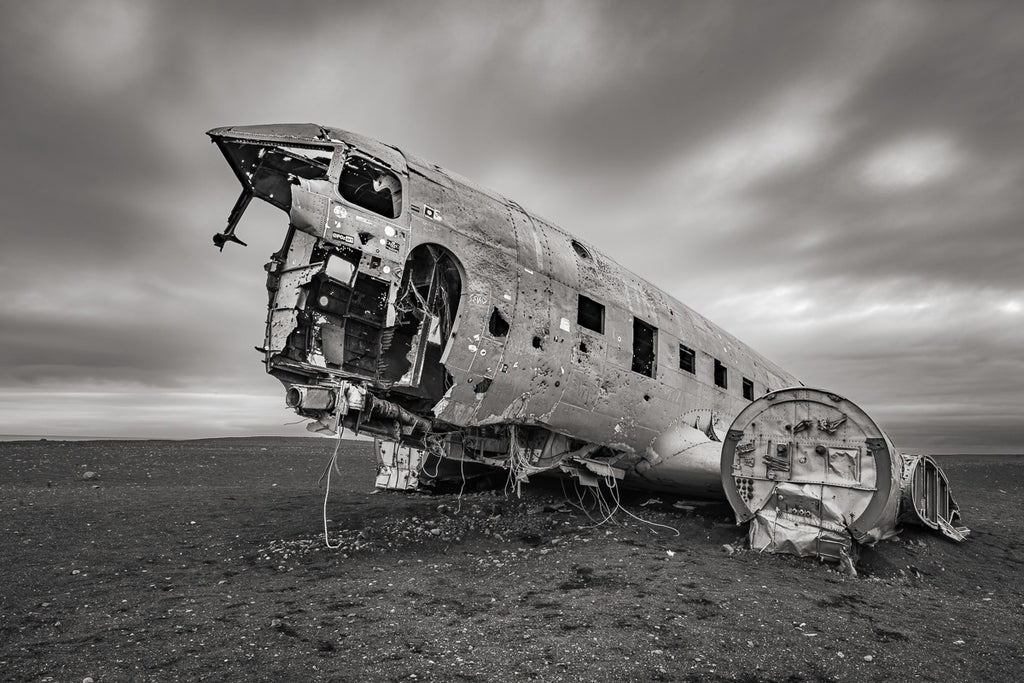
7, 438
78, 437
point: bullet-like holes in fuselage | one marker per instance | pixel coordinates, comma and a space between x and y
497, 325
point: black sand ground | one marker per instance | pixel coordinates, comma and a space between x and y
205, 560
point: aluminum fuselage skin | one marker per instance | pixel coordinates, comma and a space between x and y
545, 369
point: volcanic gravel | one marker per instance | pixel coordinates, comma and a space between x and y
187, 560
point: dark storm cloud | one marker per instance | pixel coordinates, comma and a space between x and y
928, 163
835, 183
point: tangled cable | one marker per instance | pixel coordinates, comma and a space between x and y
605, 507
519, 466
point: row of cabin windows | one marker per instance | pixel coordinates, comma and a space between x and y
721, 372
590, 314
377, 189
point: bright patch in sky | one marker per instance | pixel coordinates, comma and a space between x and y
789, 131
101, 45
911, 163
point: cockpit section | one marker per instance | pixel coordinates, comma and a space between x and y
378, 343
358, 319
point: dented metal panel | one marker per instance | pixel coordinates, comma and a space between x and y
813, 474
398, 465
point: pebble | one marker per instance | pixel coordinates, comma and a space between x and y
868, 658
90, 475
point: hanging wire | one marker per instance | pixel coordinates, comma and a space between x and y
332, 465
462, 487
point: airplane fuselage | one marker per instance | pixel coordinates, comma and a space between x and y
460, 308
470, 336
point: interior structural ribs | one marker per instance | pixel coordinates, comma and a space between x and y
426, 306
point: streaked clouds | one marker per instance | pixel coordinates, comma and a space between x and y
836, 183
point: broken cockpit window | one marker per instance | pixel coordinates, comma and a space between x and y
371, 186
269, 170
319, 157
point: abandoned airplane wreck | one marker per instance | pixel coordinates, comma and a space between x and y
470, 336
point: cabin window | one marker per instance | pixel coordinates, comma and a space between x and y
687, 359
590, 314
580, 250
721, 375
748, 389
371, 186
645, 347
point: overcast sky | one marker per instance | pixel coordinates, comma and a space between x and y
838, 184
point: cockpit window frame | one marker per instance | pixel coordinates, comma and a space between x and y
370, 198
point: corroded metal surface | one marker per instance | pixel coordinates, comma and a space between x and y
448, 321
813, 474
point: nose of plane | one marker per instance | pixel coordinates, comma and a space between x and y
267, 159
283, 133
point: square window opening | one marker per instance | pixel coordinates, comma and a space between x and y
590, 314
687, 359
748, 389
645, 348
721, 375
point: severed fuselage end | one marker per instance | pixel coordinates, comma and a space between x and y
813, 475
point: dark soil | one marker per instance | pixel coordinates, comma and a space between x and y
187, 560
